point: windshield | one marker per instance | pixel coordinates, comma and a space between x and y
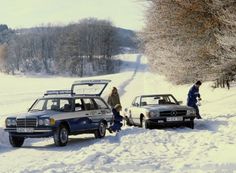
158, 100
55, 104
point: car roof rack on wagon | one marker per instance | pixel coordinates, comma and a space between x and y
57, 93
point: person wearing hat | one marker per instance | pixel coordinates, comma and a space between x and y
113, 98
194, 96
116, 126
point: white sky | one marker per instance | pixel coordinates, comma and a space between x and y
27, 13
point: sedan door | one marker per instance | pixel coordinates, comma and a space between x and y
134, 111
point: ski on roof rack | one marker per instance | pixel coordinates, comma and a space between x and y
58, 92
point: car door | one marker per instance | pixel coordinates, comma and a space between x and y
92, 113
103, 111
134, 111
81, 119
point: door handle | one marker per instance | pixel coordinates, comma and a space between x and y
86, 114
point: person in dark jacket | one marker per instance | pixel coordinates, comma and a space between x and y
116, 127
194, 96
113, 98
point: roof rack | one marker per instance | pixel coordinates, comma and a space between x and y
58, 92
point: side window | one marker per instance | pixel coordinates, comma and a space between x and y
79, 105
52, 104
64, 103
100, 104
136, 101
59, 105
89, 104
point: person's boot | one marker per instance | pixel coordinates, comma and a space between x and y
110, 130
199, 117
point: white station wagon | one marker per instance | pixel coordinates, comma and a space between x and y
151, 111
60, 113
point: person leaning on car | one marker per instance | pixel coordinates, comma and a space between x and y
113, 98
193, 94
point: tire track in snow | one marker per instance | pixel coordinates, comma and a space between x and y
122, 87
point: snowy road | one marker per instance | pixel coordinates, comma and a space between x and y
210, 147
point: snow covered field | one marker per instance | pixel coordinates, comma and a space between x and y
210, 147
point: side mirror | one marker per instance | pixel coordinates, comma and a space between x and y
180, 102
136, 104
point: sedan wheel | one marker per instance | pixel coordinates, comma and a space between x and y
101, 131
61, 136
144, 123
16, 141
190, 124
64, 135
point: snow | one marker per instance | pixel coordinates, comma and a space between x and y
210, 147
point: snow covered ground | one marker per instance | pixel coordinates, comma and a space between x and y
210, 147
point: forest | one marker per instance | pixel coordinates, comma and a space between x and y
81, 49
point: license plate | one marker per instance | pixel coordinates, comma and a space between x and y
174, 119
25, 130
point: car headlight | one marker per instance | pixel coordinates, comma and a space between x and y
46, 122
13, 122
10, 122
41, 122
190, 112
152, 114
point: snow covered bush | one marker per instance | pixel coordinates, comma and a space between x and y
189, 40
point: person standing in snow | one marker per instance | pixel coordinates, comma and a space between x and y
227, 83
116, 126
192, 100
113, 98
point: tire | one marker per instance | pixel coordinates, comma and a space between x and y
16, 141
61, 136
144, 123
190, 124
101, 131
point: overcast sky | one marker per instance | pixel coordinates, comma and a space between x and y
27, 13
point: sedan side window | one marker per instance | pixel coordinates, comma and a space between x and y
136, 102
